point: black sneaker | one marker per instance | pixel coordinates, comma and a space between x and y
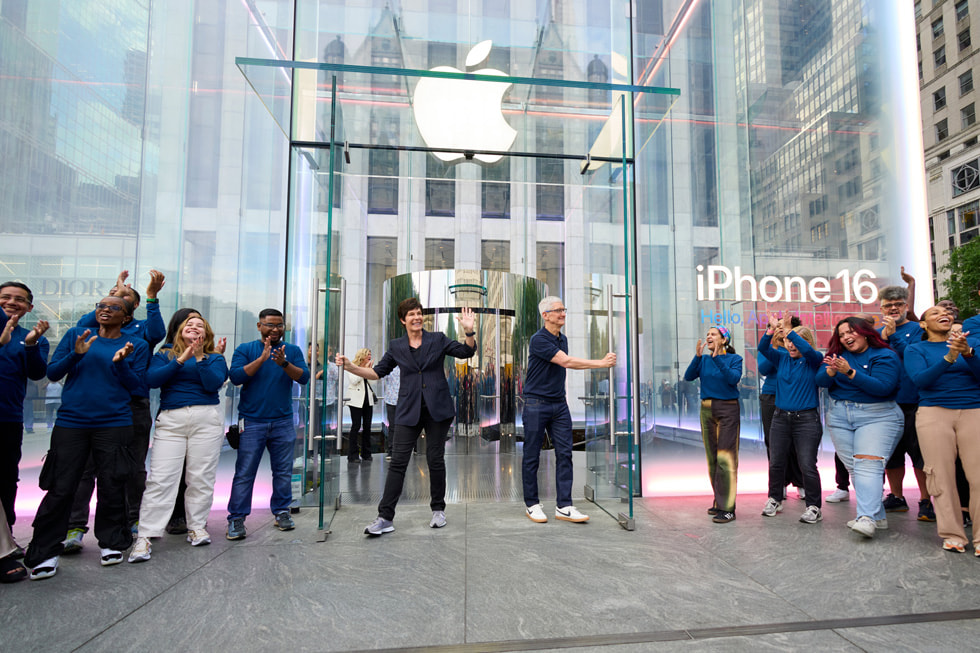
926, 511
177, 526
723, 517
284, 522
895, 504
713, 511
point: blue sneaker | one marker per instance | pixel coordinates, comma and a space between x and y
236, 529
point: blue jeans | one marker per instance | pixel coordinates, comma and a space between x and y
278, 437
869, 430
541, 415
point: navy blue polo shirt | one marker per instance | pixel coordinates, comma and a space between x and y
545, 380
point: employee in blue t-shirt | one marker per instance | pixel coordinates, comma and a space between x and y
545, 409
946, 370
720, 370
103, 369
266, 369
23, 356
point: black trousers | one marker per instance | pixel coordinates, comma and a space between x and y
63, 467
401, 452
360, 419
135, 484
11, 441
767, 409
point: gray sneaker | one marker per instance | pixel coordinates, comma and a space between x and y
880, 524
438, 519
379, 526
284, 522
236, 529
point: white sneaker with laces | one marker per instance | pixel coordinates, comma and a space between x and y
141, 550
838, 495
880, 524
772, 507
438, 519
570, 513
811, 515
198, 537
536, 513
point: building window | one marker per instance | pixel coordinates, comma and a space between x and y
939, 98
942, 130
440, 187
962, 9
968, 216
495, 190
968, 114
966, 82
495, 255
963, 39
939, 56
383, 165
551, 267
440, 254
966, 178
937, 28
550, 189
819, 232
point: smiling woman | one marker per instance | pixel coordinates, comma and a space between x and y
862, 372
102, 370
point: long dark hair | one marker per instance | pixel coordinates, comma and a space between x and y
859, 326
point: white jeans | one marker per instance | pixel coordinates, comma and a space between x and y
185, 437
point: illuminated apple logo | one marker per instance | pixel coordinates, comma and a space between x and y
464, 114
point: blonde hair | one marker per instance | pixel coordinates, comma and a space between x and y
361, 356
180, 346
807, 335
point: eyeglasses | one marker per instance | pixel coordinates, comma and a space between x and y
558, 310
115, 308
892, 305
276, 326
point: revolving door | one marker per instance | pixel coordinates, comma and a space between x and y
485, 387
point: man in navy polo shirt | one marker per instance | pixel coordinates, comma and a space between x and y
545, 408
266, 369
23, 356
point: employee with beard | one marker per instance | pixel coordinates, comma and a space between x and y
103, 369
266, 369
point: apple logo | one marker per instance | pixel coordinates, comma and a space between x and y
462, 113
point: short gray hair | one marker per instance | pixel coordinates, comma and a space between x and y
547, 303
891, 293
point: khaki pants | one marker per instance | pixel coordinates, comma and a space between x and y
945, 433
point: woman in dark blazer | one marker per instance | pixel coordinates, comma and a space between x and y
424, 402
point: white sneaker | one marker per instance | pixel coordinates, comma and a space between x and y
880, 524
570, 513
863, 525
772, 507
811, 515
111, 557
198, 537
438, 519
536, 513
46, 569
141, 550
838, 495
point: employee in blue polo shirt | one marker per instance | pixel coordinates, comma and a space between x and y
545, 409
266, 369
24, 356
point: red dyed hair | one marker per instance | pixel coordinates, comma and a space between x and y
859, 326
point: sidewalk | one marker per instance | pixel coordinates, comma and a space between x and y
492, 580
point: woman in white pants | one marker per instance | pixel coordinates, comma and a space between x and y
189, 430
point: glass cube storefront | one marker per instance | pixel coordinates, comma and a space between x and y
676, 164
